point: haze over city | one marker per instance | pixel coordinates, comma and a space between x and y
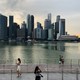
68, 9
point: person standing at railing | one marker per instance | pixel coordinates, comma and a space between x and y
37, 73
18, 67
61, 60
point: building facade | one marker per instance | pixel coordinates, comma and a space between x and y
30, 25
3, 27
61, 28
11, 27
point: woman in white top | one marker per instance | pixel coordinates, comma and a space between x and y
18, 67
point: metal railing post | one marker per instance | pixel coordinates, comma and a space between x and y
47, 71
77, 74
71, 63
11, 74
62, 73
78, 62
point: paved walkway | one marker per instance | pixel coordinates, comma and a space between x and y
47, 76
50, 72
45, 68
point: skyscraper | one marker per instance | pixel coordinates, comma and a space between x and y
38, 31
49, 17
57, 26
61, 28
11, 20
30, 25
58, 18
47, 24
3, 27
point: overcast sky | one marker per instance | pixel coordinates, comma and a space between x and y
68, 9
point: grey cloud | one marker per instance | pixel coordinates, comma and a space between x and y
65, 8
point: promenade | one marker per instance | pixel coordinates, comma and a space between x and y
50, 72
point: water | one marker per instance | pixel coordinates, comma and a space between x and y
39, 52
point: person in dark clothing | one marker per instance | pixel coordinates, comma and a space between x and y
60, 59
37, 73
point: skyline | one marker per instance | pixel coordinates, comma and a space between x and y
40, 9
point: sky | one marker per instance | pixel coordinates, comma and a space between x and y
68, 9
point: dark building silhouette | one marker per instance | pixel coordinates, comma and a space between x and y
38, 31
16, 26
56, 29
11, 27
22, 33
63, 26
30, 25
3, 27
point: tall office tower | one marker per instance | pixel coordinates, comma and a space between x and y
16, 26
49, 17
56, 29
61, 28
3, 27
11, 20
57, 26
58, 18
39, 25
38, 31
47, 24
23, 30
30, 24
23, 25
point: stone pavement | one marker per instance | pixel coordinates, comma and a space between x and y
46, 76
50, 72
45, 68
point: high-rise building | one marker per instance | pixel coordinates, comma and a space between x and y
39, 25
11, 27
56, 29
49, 17
3, 27
47, 24
38, 31
30, 25
23, 25
61, 28
58, 18
57, 26
22, 32
16, 26
50, 34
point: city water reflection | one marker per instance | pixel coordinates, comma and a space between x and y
39, 52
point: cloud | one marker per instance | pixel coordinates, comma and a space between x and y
68, 9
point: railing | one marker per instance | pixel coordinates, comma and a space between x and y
51, 69
57, 71
43, 61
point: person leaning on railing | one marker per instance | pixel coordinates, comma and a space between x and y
61, 60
